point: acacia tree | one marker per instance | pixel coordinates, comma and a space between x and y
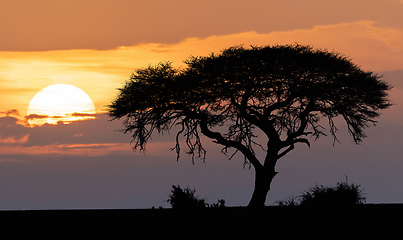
281, 92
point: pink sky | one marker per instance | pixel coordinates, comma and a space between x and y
95, 45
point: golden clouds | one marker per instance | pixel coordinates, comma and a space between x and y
13, 139
92, 150
99, 73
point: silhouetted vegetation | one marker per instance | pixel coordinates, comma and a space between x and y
186, 199
281, 92
219, 204
289, 202
343, 194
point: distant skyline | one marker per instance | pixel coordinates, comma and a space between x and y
96, 44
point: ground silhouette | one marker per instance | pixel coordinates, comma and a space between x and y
281, 92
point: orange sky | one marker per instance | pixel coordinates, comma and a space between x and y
100, 72
105, 24
96, 44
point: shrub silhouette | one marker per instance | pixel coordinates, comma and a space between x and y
220, 204
289, 202
185, 198
343, 194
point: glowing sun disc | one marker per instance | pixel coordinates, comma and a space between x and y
60, 102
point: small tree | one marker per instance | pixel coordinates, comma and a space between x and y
280, 92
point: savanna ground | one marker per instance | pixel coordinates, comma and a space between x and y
355, 221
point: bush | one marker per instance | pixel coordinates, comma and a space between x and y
343, 194
289, 202
186, 199
220, 204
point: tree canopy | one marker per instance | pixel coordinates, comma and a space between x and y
282, 91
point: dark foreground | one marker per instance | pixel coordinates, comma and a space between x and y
362, 220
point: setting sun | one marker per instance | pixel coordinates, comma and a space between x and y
64, 63
60, 102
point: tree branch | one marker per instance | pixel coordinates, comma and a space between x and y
289, 149
227, 143
303, 116
291, 146
255, 118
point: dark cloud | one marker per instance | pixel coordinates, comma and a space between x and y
83, 115
93, 131
12, 112
37, 116
10, 127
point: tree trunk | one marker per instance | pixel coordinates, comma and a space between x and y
263, 179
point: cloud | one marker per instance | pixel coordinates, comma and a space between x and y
100, 73
89, 150
106, 24
12, 112
83, 115
12, 127
87, 138
13, 140
95, 137
37, 116
37, 119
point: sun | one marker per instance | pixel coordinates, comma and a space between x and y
60, 102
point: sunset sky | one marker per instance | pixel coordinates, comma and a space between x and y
96, 44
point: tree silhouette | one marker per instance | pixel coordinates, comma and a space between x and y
279, 91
